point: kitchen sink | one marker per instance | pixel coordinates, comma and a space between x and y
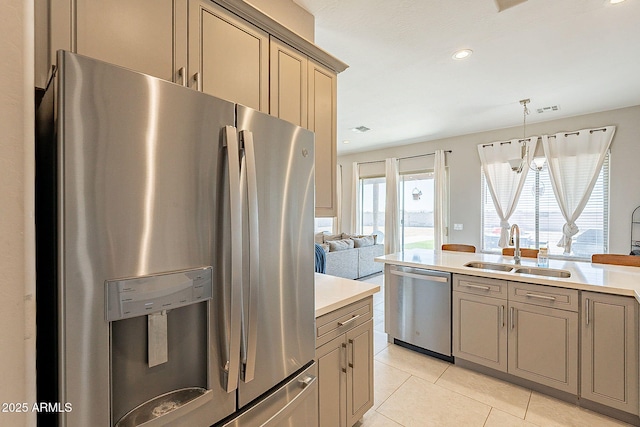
489, 266
550, 272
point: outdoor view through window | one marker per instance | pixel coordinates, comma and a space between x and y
415, 206
540, 220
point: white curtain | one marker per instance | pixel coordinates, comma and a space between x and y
575, 160
355, 199
337, 225
440, 202
504, 184
392, 209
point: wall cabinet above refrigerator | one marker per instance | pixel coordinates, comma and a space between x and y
222, 48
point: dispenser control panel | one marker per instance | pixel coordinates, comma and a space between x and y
140, 296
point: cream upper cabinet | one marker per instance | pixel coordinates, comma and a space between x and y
134, 34
215, 49
304, 93
228, 57
288, 83
322, 114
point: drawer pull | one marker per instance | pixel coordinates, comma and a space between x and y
484, 288
346, 322
544, 297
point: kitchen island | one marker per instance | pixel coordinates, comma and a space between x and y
569, 330
344, 349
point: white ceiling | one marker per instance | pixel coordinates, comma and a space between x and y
582, 55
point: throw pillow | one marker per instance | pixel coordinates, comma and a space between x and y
340, 245
325, 246
328, 237
361, 242
318, 238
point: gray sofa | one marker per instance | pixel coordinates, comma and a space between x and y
354, 262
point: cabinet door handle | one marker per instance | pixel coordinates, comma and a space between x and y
198, 80
588, 307
182, 73
343, 348
511, 316
502, 315
484, 288
351, 365
346, 322
544, 297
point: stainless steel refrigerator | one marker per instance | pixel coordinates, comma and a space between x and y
175, 256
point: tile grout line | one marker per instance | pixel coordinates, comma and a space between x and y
528, 403
488, 415
388, 397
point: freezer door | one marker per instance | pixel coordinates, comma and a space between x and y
295, 403
278, 273
142, 172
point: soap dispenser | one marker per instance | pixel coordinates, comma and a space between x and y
543, 258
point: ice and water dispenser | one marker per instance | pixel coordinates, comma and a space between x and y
159, 344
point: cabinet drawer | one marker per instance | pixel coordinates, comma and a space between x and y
342, 320
480, 286
546, 296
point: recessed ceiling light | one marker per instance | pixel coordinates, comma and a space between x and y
346, 141
615, 1
462, 54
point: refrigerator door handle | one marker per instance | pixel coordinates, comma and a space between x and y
251, 331
232, 366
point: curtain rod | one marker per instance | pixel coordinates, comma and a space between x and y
549, 136
403, 158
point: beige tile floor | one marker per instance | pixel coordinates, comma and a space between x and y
412, 389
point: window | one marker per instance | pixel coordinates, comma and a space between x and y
416, 210
324, 225
373, 193
541, 221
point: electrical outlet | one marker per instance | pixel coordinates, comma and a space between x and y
458, 227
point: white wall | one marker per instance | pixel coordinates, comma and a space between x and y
465, 175
17, 270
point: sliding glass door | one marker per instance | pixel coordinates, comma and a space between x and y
416, 210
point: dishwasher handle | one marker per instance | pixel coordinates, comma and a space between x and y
427, 277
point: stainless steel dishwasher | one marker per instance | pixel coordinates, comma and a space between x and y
418, 309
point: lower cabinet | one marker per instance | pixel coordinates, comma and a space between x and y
332, 383
610, 350
345, 365
523, 334
543, 345
480, 333
359, 371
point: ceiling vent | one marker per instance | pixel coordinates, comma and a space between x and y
360, 129
548, 109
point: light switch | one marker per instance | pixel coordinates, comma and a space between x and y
458, 227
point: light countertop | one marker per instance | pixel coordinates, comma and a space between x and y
611, 279
334, 292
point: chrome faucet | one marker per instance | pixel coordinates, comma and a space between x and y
515, 232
